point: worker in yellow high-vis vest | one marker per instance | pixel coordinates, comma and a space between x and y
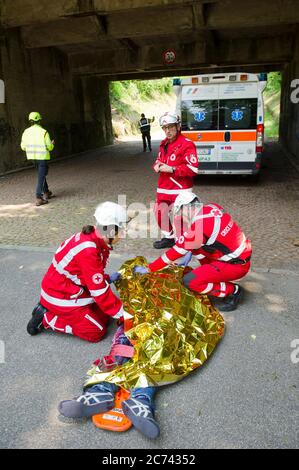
37, 144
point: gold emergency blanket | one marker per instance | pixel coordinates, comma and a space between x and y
173, 331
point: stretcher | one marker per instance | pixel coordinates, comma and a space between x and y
114, 420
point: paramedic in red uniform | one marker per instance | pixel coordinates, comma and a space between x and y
177, 164
220, 246
76, 297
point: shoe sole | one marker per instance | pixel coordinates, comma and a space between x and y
147, 427
79, 410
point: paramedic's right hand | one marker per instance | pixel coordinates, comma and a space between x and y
185, 260
157, 167
114, 277
141, 270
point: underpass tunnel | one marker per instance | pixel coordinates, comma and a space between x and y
62, 63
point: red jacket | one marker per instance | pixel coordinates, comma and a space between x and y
213, 236
76, 277
181, 154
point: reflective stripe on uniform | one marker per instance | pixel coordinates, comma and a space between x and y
174, 191
236, 253
216, 230
66, 303
208, 288
73, 252
222, 289
52, 323
65, 273
166, 259
119, 314
92, 320
181, 251
199, 256
97, 293
193, 168
175, 182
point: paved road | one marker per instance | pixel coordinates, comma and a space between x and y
246, 396
268, 211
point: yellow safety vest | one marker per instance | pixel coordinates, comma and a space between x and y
36, 143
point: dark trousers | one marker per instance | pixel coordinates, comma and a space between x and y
146, 138
42, 171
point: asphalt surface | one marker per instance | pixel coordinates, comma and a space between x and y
245, 396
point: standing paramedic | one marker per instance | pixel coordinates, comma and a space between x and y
145, 129
37, 144
216, 241
76, 297
177, 164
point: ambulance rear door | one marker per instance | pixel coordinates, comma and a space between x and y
238, 105
199, 114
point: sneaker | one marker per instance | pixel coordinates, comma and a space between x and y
40, 201
35, 325
141, 416
87, 405
164, 243
231, 302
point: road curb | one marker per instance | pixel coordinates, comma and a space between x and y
42, 249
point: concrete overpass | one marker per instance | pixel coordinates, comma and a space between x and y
58, 57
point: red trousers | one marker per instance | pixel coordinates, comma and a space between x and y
88, 323
213, 277
163, 216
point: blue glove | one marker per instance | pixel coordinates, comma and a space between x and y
185, 260
141, 270
114, 277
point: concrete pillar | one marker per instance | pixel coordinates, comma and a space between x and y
96, 112
74, 110
289, 117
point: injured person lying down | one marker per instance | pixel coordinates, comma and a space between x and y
168, 331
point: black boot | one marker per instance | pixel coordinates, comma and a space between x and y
35, 325
164, 243
230, 302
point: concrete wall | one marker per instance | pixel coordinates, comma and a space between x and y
74, 110
289, 117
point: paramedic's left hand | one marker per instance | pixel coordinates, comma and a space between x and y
166, 169
114, 277
141, 270
185, 260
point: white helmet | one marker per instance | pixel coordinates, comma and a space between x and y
109, 213
184, 199
169, 118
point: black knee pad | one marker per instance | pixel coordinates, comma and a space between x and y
188, 278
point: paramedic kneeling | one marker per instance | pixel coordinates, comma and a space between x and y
216, 241
76, 297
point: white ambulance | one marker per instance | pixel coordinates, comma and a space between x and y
224, 115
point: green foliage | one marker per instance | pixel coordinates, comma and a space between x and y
139, 89
273, 83
272, 104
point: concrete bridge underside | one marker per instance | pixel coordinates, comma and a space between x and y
58, 57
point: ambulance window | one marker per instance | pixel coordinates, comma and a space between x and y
199, 115
238, 113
